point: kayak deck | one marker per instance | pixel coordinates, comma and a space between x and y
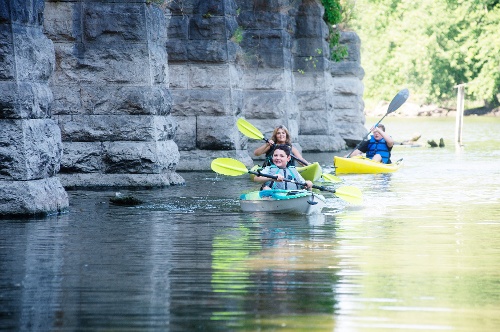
362, 165
282, 201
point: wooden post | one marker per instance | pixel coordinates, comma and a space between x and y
459, 123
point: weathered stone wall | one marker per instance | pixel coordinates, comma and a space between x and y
268, 82
111, 94
30, 141
267, 62
348, 90
205, 81
315, 85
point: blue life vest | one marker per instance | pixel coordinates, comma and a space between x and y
289, 173
378, 147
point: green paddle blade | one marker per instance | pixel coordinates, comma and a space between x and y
349, 194
228, 166
330, 178
247, 129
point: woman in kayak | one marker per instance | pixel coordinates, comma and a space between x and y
280, 136
280, 168
378, 147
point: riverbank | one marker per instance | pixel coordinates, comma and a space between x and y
413, 110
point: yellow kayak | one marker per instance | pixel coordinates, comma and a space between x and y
362, 165
311, 172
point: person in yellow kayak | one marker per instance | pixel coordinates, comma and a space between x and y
280, 168
280, 136
378, 147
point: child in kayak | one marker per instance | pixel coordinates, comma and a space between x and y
378, 147
280, 136
281, 157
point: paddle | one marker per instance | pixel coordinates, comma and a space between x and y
233, 167
395, 103
247, 129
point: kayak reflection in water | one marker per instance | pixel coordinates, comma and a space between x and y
281, 157
378, 147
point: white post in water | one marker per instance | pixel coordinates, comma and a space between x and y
459, 123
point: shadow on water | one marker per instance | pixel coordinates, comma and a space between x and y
421, 253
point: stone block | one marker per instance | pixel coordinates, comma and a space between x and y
200, 160
207, 51
209, 76
268, 79
106, 100
23, 14
346, 68
30, 198
312, 81
251, 19
140, 157
158, 63
114, 22
82, 157
202, 102
321, 143
348, 86
216, 133
185, 136
205, 27
177, 51
265, 104
62, 21
99, 180
102, 64
317, 122
34, 54
24, 100
179, 76
348, 102
311, 26
215, 7
29, 149
178, 28
88, 128
305, 47
7, 59
156, 22
311, 101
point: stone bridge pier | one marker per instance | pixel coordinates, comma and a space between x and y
30, 140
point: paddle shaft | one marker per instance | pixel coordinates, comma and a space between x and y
303, 184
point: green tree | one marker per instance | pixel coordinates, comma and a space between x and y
430, 46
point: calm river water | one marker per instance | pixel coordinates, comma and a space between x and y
421, 253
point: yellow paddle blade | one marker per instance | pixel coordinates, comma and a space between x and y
349, 194
228, 166
330, 178
247, 129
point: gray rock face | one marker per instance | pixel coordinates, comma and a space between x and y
30, 141
110, 87
205, 82
267, 62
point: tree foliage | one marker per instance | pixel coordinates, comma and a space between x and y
430, 46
